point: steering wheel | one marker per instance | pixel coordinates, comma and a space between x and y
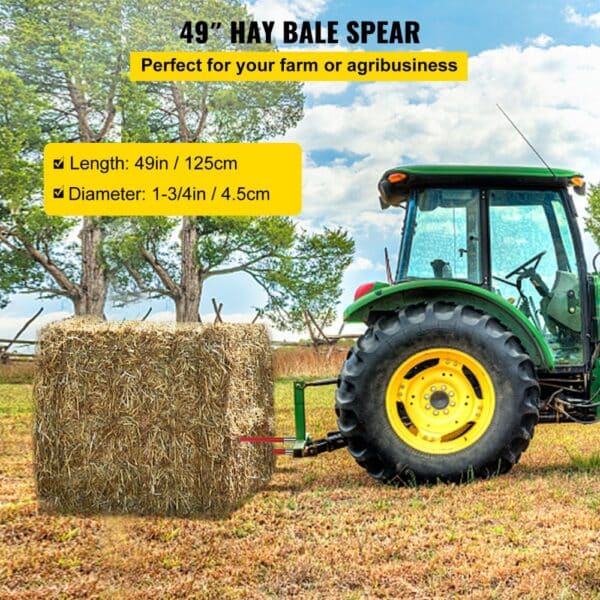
534, 261
596, 256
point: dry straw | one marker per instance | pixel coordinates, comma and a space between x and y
144, 418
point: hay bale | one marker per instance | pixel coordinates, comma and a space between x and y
143, 418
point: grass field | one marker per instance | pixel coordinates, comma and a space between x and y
321, 529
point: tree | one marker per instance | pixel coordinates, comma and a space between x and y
26, 232
592, 221
71, 55
269, 249
297, 270
19, 141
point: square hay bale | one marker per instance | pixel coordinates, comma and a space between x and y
143, 418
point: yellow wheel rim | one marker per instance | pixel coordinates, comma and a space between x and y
440, 401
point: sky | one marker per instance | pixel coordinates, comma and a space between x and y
539, 60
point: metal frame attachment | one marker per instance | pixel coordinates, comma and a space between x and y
302, 444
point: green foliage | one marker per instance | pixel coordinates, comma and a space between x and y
22, 220
20, 141
212, 111
592, 221
297, 270
73, 54
308, 277
133, 275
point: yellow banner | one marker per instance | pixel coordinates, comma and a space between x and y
299, 66
172, 179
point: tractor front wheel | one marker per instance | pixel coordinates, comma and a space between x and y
437, 391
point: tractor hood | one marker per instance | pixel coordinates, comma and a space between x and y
396, 184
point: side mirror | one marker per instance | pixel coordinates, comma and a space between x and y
594, 261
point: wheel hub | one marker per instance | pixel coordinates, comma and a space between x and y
440, 400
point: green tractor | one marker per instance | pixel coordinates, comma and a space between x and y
488, 327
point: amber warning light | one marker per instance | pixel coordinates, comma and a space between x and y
578, 184
397, 177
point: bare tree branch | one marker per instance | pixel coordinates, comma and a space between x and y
173, 289
139, 281
203, 118
70, 289
185, 134
80, 105
236, 268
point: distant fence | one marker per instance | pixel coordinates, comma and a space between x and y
319, 340
15, 356
6, 344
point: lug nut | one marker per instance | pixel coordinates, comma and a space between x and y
443, 387
451, 394
433, 388
452, 403
427, 396
436, 412
446, 411
427, 406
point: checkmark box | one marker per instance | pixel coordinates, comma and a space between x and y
58, 163
59, 192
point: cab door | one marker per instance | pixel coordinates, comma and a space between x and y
534, 266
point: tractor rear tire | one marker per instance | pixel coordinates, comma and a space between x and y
437, 392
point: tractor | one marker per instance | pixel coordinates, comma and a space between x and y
487, 327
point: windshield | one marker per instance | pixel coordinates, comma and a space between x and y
442, 240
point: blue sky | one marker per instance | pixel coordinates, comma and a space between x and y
475, 25
540, 60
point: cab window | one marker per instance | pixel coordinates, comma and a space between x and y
534, 267
443, 240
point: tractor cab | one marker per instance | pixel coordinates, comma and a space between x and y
509, 230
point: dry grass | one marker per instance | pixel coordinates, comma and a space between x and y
17, 372
320, 529
143, 418
306, 362
289, 361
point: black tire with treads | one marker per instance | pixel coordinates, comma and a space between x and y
393, 338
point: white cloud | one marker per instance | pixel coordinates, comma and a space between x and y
362, 263
591, 20
165, 316
541, 41
551, 93
316, 89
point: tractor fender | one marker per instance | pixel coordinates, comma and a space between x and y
385, 298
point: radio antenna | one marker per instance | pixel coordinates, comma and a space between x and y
526, 140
